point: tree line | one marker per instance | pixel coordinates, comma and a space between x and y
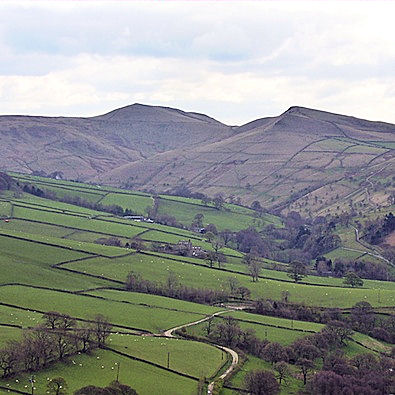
173, 289
361, 318
56, 338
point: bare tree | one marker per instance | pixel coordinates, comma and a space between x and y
9, 358
297, 271
233, 283
283, 371
255, 268
101, 328
57, 386
261, 382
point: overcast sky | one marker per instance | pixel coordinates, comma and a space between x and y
235, 61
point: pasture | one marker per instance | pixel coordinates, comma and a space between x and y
157, 269
149, 318
50, 262
101, 368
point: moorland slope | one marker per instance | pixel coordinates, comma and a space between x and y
305, 160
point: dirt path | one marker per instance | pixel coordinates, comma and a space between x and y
374, 253
169, 332
235, 361
235, 356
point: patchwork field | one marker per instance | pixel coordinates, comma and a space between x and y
51, 259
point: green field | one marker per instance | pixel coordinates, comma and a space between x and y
100, 368
49, 261
185, 213
156, 269
150, 318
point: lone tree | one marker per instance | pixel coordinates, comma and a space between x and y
297, 271
255, 268
338, 331
211, 257
353, 279
57, 386
101, 328
283, 371
261, 382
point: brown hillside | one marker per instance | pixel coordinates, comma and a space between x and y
85, 147
278, 161
305, 160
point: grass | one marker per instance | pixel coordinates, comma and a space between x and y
82, 223
153, 319
86, 249
157, 269
154, 300
193, 358
100, 369
5, 209
138, 204
185, 213
17, 225
30, 263
30, 252
8, 334
184, 209
14, 316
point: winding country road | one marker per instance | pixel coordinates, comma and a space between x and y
375, 254
235, 356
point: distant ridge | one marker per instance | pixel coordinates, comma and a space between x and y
275, 160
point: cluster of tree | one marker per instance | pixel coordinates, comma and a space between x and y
173, 289
237, 290
6, 182
114, 388
364, 269
302, 239
361, 318
302, 353
364, 374
184, 191
375, 231
58, 337
109, 241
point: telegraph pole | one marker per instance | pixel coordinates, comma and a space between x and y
32, 383
118, 366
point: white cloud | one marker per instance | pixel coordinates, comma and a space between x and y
235, 61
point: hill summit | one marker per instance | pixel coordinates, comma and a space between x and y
280, 161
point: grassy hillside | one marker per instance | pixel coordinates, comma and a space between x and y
50, 260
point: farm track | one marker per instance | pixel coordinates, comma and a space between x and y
374, 253
234, 354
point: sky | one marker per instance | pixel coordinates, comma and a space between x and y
233, 60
